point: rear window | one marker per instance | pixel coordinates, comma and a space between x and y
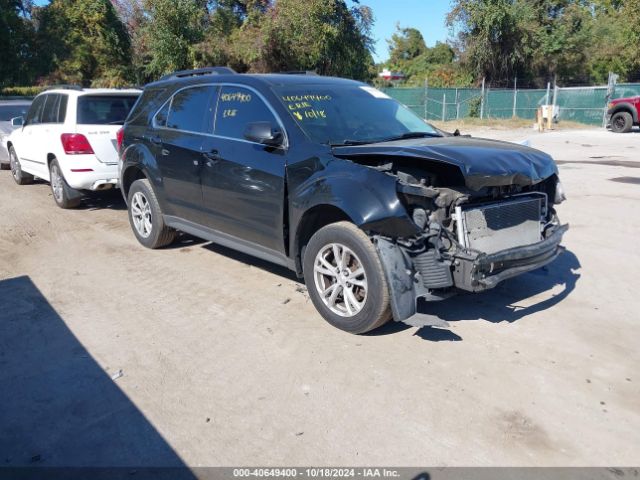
104, 109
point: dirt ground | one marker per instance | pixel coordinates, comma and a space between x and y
112, 354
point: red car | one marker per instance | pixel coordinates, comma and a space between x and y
622, 114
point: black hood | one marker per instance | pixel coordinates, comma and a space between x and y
483, 162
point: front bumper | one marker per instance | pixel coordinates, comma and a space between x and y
438, 276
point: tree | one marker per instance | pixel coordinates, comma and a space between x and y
173, 30
322, 35
405, 44
496, 35
83, 42
17, 40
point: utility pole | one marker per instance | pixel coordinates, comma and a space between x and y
457, 105
548, 89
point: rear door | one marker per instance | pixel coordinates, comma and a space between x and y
243, 181
99, 117
179, 129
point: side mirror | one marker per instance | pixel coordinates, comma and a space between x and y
264, 133
17, 121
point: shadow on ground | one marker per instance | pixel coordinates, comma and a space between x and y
111, 199
509, 302
58, 407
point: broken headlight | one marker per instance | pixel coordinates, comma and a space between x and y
560, 196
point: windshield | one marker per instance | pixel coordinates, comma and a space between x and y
104, 109
7, 112
350, 114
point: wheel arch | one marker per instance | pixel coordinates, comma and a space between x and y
130, 175
311, 221
626, 107
50, 158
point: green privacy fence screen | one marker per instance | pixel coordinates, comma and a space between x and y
578, 104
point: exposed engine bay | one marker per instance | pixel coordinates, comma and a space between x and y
470, 238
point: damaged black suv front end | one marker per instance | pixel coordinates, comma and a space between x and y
483, 210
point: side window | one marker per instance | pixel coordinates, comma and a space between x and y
50, 112
160, 120
188, 109
62, 109
238, 106
35, 112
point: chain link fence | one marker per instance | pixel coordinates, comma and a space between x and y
579, 104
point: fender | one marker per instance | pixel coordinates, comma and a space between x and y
138, 156
624, 106
368, 197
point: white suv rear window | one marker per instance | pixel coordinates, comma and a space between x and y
104, 109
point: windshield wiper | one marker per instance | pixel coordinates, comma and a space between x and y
407, 135
404, 136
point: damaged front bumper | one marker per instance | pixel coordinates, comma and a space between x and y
434, 275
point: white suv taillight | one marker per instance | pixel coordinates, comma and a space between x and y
75, 144
120, 139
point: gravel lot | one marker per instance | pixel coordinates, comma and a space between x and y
224, 360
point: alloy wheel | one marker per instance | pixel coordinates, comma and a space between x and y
141, 214
56, 184
16, 171
340, 279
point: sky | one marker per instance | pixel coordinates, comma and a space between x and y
428, 16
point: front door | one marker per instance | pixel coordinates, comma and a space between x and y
30, 146
177, 142
243, 182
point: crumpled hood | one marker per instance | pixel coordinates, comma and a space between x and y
482, 162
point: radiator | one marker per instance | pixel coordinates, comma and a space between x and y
498, 226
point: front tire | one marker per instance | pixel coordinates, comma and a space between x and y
145, 216
621, 122
345, 279
63, 194
20, 177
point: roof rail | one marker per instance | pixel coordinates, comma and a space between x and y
63, 87
300, 72
200, 71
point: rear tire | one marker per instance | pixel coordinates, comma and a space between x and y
145, 216
20, 177
345, 279
63, 194
621, 122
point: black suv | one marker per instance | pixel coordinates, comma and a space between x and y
335, 180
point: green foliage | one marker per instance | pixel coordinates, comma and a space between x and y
20, 91
409, 54
173, 29
475, 104
84, 42
573, 41
405, 44
119, 42
16, 39
496, 35
320, 35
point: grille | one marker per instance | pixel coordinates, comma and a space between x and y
498, 226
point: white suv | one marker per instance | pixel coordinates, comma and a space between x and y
68, 138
